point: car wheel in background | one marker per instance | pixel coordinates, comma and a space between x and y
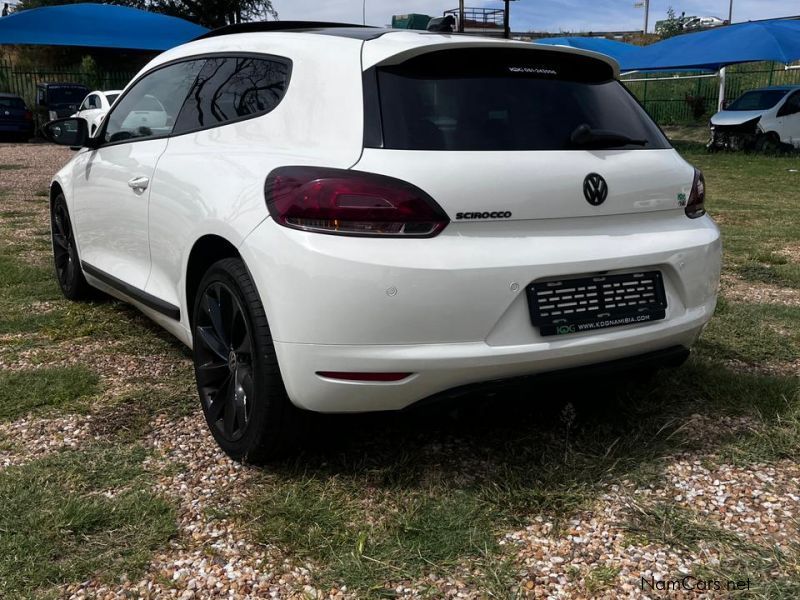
768, 143
65, 253
238, 379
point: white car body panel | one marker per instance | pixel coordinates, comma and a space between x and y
451, 309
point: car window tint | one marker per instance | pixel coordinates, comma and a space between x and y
12, 102
793, 103
232, 88
757, 100
150, 107
511, 100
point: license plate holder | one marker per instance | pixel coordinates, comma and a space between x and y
581, 304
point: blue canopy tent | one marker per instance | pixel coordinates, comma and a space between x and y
774, 40
96, 25
624, 54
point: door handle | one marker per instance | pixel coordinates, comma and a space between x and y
139, 184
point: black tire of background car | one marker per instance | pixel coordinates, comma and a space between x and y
225, 362
769, 143
65, 253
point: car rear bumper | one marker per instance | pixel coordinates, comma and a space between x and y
453, 311
436, 368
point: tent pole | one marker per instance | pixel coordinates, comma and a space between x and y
721, 103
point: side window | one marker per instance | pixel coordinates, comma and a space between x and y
93, 101
792, 106
232, 88
150, 107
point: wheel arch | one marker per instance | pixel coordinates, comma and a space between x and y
55, 190
206, 250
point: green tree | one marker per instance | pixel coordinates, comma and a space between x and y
671, 26
216, 13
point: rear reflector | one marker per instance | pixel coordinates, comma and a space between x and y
350, 376
345, 202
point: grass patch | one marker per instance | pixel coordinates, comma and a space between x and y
325, 521
63, 387
13, 167
72, 515
753, 333
367, 512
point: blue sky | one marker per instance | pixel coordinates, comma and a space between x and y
539, 15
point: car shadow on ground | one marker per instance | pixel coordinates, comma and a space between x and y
546, 437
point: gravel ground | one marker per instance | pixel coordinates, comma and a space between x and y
590, 554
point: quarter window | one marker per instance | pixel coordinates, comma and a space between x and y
151, 106
233, 88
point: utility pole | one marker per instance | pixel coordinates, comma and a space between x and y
645, 4
730, 13
460, 24
507, 20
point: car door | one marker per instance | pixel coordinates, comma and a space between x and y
111, 183
788, 120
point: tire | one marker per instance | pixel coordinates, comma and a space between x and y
768, 143
66, 261
239, 383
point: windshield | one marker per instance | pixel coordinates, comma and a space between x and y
12, 103
496, 99
758, 100
66, 95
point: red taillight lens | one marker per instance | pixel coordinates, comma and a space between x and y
696, 206
351, 376
28, 115
347, 202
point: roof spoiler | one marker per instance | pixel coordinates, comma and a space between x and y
266, 26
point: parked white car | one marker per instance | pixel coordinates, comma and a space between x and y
95, 106
763, 119
695, 23
352, 219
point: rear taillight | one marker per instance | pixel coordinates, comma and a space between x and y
696, 206
28, 115
348, 202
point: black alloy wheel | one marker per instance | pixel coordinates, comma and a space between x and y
65, 253
225, 361
238, 379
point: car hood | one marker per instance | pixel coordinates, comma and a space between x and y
736, 117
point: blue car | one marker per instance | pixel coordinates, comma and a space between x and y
16, 121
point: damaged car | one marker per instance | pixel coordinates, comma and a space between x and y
764, 120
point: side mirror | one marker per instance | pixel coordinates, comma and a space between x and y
69, 132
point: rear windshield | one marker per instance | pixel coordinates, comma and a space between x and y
757, 100
500, 99
111, 98
8, 102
